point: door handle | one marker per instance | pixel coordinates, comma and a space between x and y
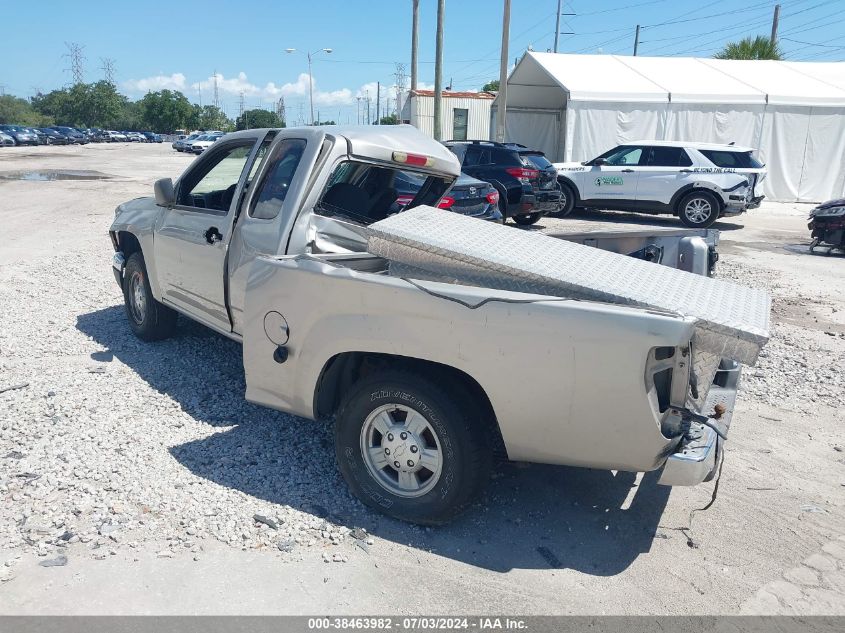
627, 171
212, 235
686, 171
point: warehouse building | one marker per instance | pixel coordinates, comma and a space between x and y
574, 107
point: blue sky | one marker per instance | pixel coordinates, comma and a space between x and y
181, 43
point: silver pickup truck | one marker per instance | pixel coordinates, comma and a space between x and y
282, 239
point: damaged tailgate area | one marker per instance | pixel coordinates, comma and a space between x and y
732, 321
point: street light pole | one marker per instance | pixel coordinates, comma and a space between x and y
311, 88
310, 76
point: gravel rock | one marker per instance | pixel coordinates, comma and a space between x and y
162, 448
59, 561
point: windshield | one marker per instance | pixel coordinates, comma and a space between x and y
366, 193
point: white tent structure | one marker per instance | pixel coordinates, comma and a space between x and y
573, 107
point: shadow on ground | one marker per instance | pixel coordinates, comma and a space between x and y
531, 516
643, 219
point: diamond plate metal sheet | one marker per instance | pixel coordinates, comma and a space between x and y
733, 320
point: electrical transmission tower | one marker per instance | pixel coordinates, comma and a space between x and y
400, 78
76, 60
280, 109
241, 105
216, 93
108, 69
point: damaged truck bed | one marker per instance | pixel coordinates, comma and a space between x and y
588, 358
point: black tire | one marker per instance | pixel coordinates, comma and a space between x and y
528, 219
148, 319
568, 200
503, 205
465, 446
698, 209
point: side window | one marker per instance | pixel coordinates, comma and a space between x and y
505, 157
668, 157
625, 156
212, 186
273, 190
472, 156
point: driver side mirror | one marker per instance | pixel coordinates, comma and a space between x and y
164, 192
600, 161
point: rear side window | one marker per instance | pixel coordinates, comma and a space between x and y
538, 161
724, 158
503, 156
668, 157
280, 173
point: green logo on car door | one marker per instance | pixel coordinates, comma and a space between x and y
608, 180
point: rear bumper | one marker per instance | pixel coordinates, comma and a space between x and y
697, 457
755, 202
548, 201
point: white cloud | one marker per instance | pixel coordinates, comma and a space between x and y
176, 81
235, 85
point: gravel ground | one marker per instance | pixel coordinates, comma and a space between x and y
115, 449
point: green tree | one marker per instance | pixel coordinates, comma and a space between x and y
83, 105
165, 111
258, 118
390, 119
759, 47
491, 86
213, 118
20, 112
330, 122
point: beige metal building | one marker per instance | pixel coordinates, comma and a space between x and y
465, 115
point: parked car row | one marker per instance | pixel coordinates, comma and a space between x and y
64, 135
197, 142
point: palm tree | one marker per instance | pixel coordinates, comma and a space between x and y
758, 48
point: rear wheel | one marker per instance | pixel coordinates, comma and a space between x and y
149, 320
411, 448
698, 209
527, 220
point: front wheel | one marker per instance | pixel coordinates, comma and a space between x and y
149, 320
698, 209
410, 448
527, 220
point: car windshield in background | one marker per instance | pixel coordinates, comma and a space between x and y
366, 193
724, 158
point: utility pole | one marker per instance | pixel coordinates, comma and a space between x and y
199, 91
415, 41
501, 107
637, 40
557, 23
378, 102
775, 19
358, 117
438, 70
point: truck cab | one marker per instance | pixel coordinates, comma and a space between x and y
268, 192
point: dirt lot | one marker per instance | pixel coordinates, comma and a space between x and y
141, 468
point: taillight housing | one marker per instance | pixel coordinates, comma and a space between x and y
404, 200
493, 197
523, 173
445, 202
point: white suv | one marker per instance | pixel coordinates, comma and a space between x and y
698, 182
